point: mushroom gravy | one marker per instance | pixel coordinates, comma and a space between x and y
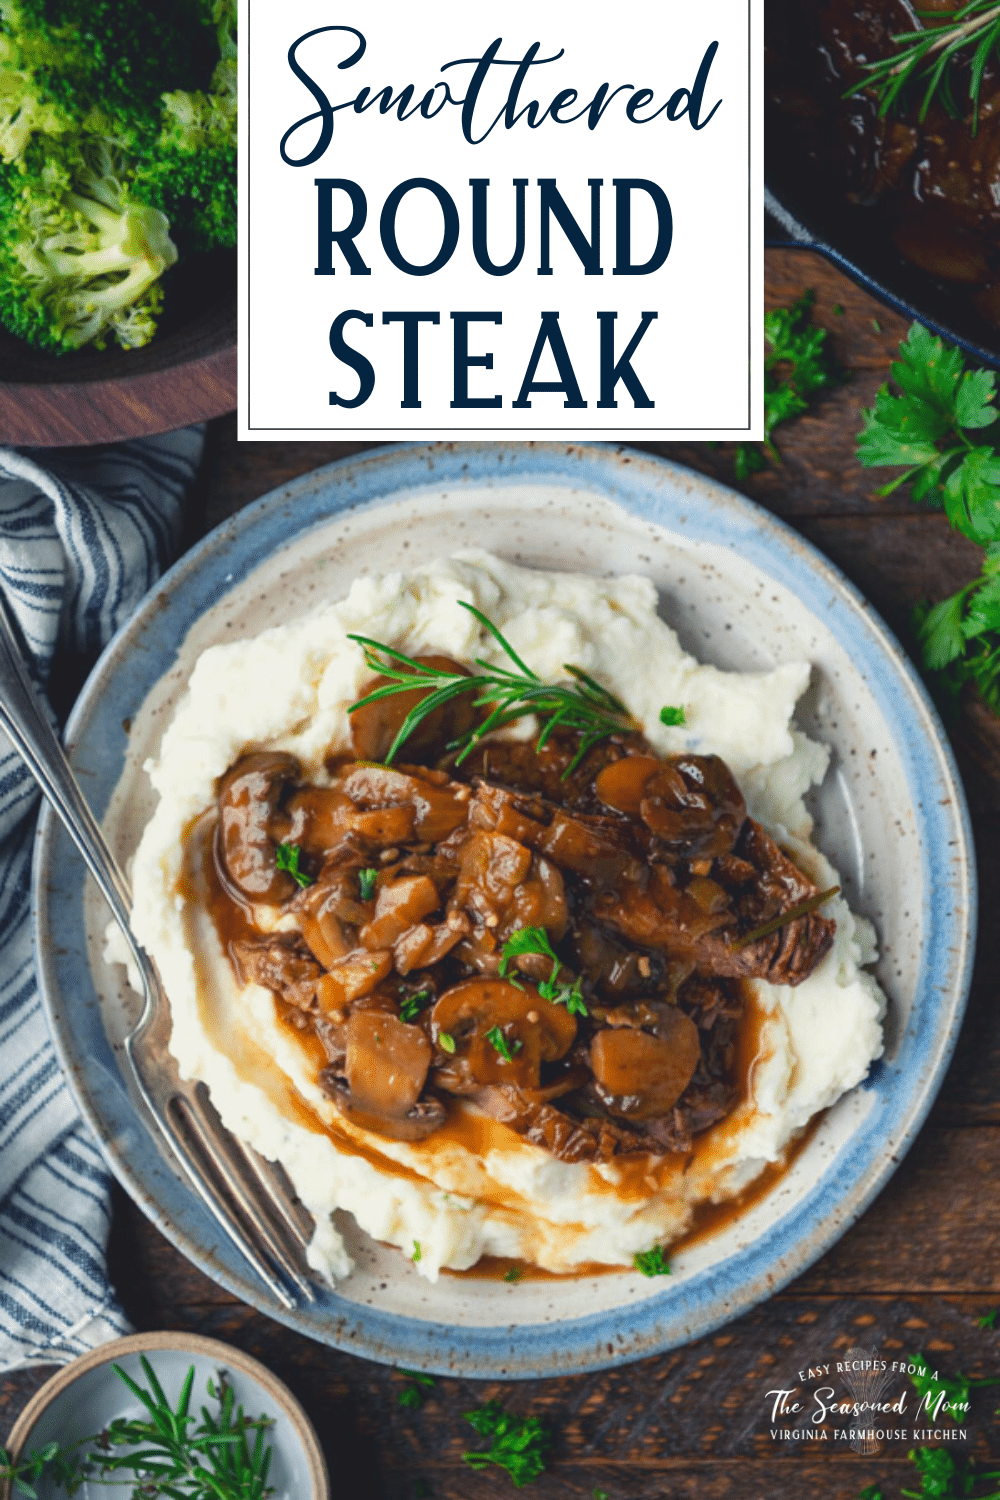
397, 948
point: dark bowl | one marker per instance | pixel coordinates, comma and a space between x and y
186, 374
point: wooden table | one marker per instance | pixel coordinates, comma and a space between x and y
915, 1273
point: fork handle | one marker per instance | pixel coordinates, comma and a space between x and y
24, 717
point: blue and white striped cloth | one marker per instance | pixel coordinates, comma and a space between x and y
83, 535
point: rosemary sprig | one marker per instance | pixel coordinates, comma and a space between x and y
967, 36
582, 706
800, 909
178, 1456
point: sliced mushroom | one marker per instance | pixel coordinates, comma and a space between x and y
386, 1063
532, 1030
374, 727
691, 802
639, 1074
249, 794
436, 809
426, 1116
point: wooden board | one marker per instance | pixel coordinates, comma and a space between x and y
915, 1273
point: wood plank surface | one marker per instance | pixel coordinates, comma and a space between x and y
917, 1270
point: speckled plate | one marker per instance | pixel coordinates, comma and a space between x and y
744, 592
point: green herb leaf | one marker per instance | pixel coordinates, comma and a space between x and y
172, 1453
988, 1319
514, 1274
411, 1006
412, 1394
517, 1444
417, 1252
652, 1262
928, 61
524, 940
367, 880
286, 857
499, 1042
672, 717
945, 428
446, 1041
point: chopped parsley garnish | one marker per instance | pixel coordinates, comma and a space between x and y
943, 429
506, 1049
412, 1394
989, 1319
536, 940
797, 366
518, 1444
412, 1005
446, 1041
652, 1262
417, 1252
514, 1274
366, 883
674, 718
286, 857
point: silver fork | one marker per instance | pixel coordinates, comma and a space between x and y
249, 1199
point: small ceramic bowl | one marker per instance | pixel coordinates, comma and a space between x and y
84, 1396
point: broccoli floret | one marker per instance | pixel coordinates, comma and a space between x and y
190, 173
78, 269
112, 54
102, 167
23, 110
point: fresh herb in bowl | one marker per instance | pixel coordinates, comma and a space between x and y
221, 1456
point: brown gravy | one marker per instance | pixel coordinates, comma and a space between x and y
477, 1133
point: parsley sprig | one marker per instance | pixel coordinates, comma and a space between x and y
224, 1456
536, 940
798, 365
411, 1005
286, 857
652, 1262
414, 1391
943, 427
500, 1044
943, 1477
582, 705
518, 1444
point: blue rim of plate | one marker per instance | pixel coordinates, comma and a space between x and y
900, 1093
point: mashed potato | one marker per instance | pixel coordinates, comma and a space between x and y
482, 1190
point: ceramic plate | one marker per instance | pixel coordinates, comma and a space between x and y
743, 591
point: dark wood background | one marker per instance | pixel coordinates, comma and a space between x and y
915, 1273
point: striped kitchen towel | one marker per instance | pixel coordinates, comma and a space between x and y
83, 535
